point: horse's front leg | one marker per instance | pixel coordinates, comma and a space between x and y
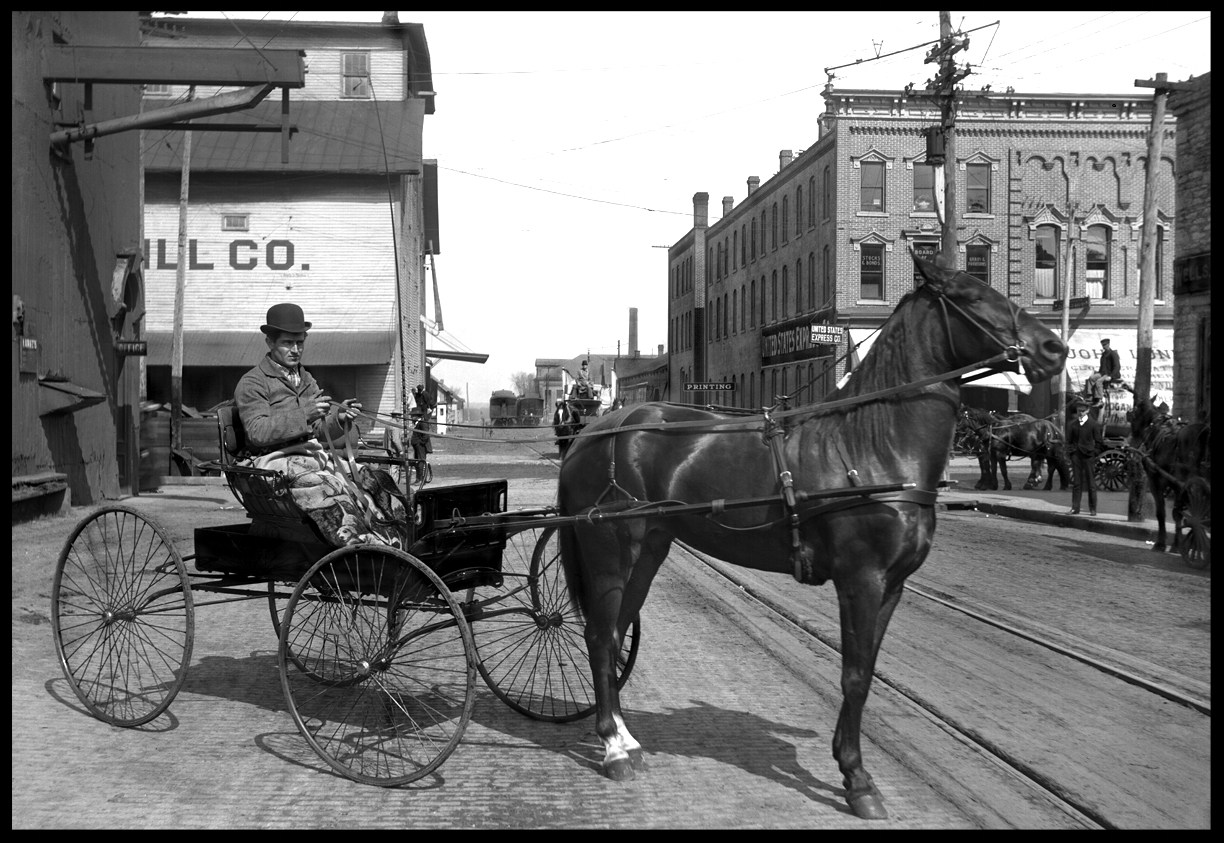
1157, 483
865, 611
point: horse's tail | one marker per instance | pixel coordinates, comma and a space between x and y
571, 563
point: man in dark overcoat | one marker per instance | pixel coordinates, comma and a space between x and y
1085, 440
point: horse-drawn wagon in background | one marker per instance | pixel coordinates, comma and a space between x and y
528, 411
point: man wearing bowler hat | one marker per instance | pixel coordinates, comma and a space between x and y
278, 401
1084, 441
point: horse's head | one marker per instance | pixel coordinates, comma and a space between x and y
1144, 415
982, 322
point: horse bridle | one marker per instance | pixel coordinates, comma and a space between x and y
1014, 352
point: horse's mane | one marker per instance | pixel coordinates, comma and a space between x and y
890, 362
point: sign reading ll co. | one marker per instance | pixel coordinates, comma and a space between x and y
721, 386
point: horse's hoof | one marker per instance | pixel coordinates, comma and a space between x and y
868, 806
620, 770
636, 759
1158, 548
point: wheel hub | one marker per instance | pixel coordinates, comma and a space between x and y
549, 620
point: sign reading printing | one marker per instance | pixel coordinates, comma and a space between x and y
720, 386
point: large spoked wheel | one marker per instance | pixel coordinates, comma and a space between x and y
533, 653
1194, 529
377, 664
122, 616
1109, 470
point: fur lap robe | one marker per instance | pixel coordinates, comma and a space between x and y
349, 503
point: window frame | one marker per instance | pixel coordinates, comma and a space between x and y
1038, 236
346, 74
873, 166
915, 205
863, 253
972, 167
1103, 262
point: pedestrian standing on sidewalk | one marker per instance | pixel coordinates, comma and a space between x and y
1084, 441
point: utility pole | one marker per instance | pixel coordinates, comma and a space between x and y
943, 156
180, 287
1147, 254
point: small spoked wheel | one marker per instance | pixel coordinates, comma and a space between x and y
377, 665
531, 644
122, 616
1109, 470
1194, 528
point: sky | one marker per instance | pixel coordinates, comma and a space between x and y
569, 145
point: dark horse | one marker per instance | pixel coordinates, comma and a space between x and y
1173, 452
996, 438
675, 453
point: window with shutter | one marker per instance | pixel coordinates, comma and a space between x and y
355, 75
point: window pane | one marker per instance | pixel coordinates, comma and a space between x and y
924, 187
977, 262
927, 250
1046, 261
871, 269
872, 186
977, 188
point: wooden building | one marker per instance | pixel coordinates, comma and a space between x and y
77, 290
339, 226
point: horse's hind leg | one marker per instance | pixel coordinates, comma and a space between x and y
614, 596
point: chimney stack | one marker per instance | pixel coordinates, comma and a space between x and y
753, 183
633, 346
701, 210
728, 204
660, 349
784, 158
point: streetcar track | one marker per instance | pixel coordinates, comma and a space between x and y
1157, 688
968, 737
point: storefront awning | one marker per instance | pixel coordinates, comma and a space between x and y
245, 348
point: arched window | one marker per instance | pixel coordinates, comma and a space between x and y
726, 316
828, 193
743, 309
773, 228
734, 309
799, 286
743, 245
826, 279
754, 238
773, 296
811, 280
785, 217
798, 210
1045, 261
785, 292
811, 200
1096, 259
734, 249
752, 317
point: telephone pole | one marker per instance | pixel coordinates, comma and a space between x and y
180, 286
1147, 254
943, 155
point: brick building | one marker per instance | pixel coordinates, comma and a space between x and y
825, 240
1192, 261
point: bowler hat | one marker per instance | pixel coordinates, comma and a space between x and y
286, 318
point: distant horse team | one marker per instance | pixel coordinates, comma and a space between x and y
995, 439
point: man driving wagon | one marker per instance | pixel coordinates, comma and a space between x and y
293, 427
